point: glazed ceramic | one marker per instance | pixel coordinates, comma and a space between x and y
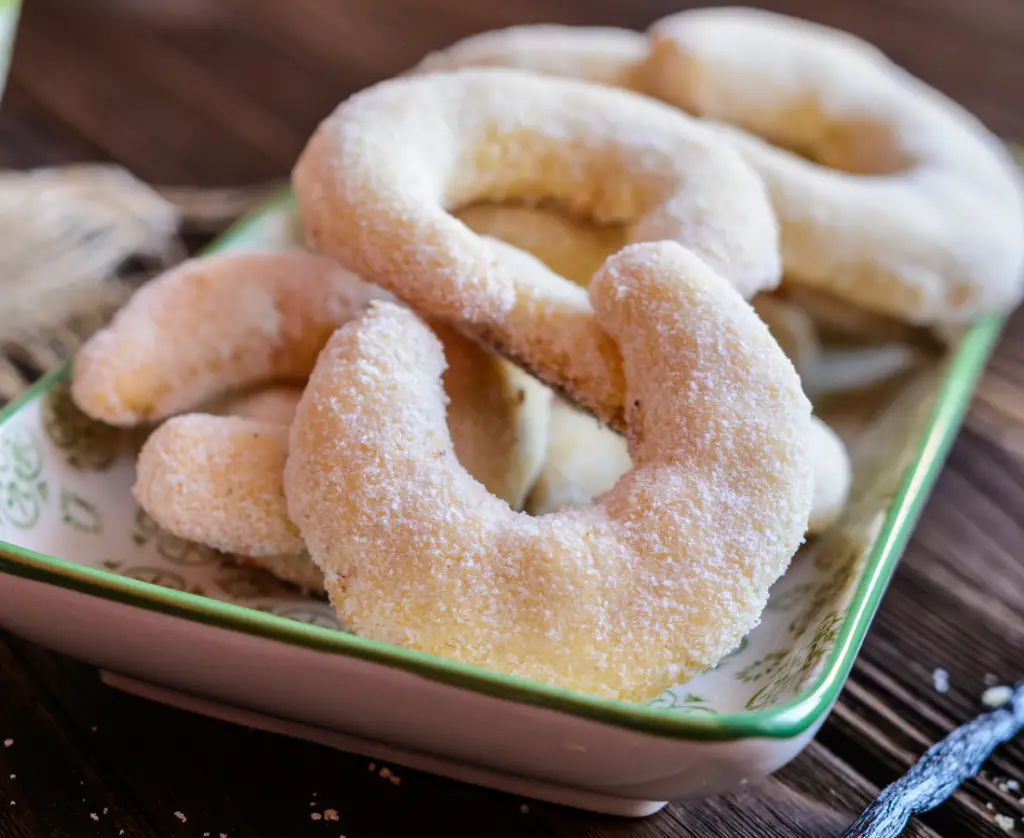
84, 571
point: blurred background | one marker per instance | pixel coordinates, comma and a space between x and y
215, 92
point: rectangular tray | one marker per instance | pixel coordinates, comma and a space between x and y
177, 621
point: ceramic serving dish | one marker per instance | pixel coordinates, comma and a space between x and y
85, 572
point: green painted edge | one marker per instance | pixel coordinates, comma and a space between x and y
786, 720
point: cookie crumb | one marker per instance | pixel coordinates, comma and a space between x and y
996, 696
330, 814
180, 816
315, 816
524, 809
94, 728
1004, 822
372, 766
94, 816
386, 773
940, 680
990, 679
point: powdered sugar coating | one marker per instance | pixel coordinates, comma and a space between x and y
924, 219
210, 325
599, 54
217, 480
377, 180
653, 583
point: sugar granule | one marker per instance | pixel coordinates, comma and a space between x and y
990, 679
8, 743
94, 816
315, 816
940, 680
996, 696
524, 809
180, 816
1004, 822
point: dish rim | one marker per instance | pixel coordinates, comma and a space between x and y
784, 721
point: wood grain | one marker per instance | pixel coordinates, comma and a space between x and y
227, 96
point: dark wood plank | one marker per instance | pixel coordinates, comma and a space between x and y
247, 783
818, 795
49, 784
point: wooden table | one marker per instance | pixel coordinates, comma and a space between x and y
226, 92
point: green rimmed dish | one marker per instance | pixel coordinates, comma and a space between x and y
173, 621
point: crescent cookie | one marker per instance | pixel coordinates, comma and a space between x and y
217, 480
211, 325
906, 206
653, 583
377, 180
598, 54
584, 459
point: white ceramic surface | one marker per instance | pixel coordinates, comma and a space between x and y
64, 493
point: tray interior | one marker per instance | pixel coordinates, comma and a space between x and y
64, 492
